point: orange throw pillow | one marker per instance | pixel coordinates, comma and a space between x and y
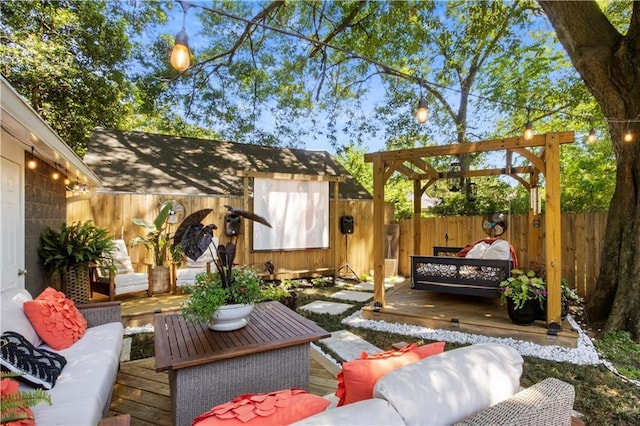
9, 390
274, 408
55, 318
358, 377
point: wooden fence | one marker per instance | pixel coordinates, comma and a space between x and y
116, 211
582, 239
582, 235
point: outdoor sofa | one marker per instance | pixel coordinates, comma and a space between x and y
473, 385
81, 394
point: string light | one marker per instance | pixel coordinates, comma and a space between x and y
528, 127
628, 136
422, 114
180, 59
592, 137
32, 163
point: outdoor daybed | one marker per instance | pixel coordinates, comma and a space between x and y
476, 270
474, 385
78, 378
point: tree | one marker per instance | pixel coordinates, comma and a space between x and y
69, 58
608, 61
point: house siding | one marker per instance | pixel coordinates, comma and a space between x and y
45, 205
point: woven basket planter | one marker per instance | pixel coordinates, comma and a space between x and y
75, 284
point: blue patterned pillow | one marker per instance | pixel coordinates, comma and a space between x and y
38, 367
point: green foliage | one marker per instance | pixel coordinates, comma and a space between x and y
157, 239
11, 405
75, 244
522, 286
208, 293
622, 351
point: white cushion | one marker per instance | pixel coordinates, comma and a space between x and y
84, 411
445, 388
368, 412
477, 251
187, 276
499, 250
120, 250
13, 317
92, 365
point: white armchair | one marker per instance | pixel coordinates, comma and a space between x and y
124, 280
187, 275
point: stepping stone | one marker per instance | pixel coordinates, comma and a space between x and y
355, 296
368, 286
125, 353
349, 346
323, 307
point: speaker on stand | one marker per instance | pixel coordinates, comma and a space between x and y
347, 226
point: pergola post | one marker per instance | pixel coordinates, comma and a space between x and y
417, 212
553, 255
378, 233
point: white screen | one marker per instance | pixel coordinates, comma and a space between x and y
298, 212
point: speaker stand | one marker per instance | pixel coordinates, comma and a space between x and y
346, 265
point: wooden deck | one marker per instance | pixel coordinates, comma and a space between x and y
477, 315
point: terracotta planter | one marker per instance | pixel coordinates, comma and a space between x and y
526, 315
231, 317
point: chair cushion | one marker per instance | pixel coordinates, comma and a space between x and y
56, 319
273, 408
445, 388
369, 412
12, 314
358, 377
38, 367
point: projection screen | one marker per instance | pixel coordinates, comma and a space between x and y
297, 210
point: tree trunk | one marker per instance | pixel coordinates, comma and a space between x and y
609, 64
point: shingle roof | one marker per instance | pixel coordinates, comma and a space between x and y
135, 162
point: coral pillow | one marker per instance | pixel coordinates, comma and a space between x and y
9, 390
274, 408
55, 318
358, 377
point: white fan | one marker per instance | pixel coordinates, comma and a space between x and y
176, 214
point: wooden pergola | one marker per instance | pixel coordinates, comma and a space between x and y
411, 163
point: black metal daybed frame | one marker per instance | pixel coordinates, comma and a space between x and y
458, 275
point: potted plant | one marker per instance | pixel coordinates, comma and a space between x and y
228, 288
208, 295
68, 252
568, 297
15, 403
157, 242
524, 293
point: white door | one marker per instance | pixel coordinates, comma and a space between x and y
11, 226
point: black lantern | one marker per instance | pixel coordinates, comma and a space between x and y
454, 179
472, 191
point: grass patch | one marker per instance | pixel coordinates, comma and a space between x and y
601, 396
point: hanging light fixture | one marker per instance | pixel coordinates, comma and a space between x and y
454, 179
472, 190
32, 163
528, 127
592, 138
180, 60
628, 136
422, 113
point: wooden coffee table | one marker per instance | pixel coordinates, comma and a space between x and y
207, 368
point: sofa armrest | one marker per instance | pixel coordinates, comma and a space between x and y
549, 402
101, 313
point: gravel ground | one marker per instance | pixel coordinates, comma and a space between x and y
584, 354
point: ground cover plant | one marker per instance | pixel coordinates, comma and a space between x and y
603, 397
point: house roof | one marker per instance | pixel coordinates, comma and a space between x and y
135, 162
26, 126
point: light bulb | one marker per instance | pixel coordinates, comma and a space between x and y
180, 60
628, 136
528, 131
422, 114
67, 181
32, 164
592, 138
55, 175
